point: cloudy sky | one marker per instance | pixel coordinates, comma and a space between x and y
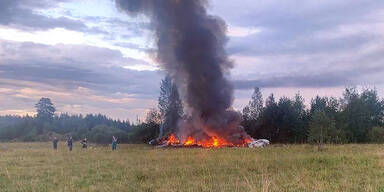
89, 58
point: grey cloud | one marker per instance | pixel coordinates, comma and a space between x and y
322, 79
70, 55
290, 26
117, 21
103, 80
268, 44
73, 66
136, 47
113, 27
22, 14
295, 14
306, 43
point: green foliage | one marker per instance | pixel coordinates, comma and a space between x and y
45, 109
329, 105
357, 117
255, 106
361, 112
144, 132
153, 116
170, 106
103, 134
282, 121
376, 135
288, 120
26, 129
33, 129
322, 129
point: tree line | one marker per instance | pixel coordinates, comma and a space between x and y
97, 128
46, 125
356, 117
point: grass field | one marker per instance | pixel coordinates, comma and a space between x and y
36, 167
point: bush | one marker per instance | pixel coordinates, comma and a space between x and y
376, 134
144, 132
322, 129
102, 134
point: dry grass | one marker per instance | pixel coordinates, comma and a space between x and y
36, 167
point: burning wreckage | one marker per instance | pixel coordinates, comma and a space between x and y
213, 142
191, 50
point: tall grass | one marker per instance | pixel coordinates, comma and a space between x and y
36, 167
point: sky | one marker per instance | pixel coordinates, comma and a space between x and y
89, 57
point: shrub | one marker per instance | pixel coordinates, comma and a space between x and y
102, 134
144, 132
376, 134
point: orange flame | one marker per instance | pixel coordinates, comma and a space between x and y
213, 142
172, 140
190, 141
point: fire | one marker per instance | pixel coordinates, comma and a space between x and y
190, 141
212, 142
215, 142
172, 140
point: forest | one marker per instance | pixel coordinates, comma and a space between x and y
356, 117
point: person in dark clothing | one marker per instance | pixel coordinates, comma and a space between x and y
54, 142
114, 143
84, 143
70, 143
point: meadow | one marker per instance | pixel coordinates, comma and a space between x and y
36, 167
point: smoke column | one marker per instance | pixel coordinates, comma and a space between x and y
191, 49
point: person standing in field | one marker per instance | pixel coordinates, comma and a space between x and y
114, 143
84, 143
54, 142
70, 143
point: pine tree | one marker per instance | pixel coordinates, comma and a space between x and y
45, 109
170, 106
322, 129
255, 106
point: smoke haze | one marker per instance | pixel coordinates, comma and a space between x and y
191, 49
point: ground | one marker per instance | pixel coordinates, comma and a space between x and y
36, 167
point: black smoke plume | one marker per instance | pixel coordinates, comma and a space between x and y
191, 49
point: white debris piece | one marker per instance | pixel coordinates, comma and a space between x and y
258, 143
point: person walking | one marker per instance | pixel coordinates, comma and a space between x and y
54, 142
114, 143
70, 143
84, 143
